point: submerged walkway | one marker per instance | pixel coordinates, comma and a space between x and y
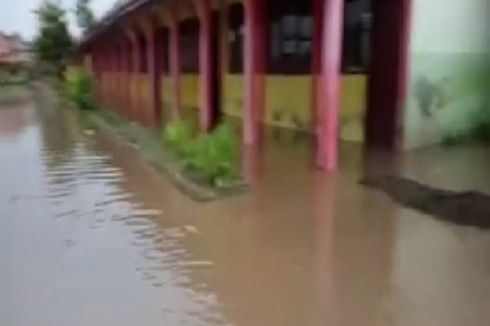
91, 235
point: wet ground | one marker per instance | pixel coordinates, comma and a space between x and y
91, 235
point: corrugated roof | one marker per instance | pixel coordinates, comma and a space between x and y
120, 9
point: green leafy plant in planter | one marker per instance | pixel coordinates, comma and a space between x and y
209, 158
178, 136
79, 88
213, 157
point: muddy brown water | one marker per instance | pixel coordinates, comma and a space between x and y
466, 208
91, 235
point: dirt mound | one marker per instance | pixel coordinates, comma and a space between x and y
468, 208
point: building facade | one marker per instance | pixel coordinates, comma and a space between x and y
13, 50
364, 71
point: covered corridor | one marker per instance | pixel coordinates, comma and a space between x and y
335, 69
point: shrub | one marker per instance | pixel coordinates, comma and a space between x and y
477, 131
79, 88
178, 136
211, 157
481, 130
214, 155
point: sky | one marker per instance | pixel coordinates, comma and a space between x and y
16, 15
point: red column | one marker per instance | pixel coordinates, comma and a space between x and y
119, 70
110, 75
114, 80
107, 81
127, 79
316, 67
205, 64
388, 76
96, 70
133, 78
103, 69
154, 73
124, 90
175, 66
327, 153
254, 61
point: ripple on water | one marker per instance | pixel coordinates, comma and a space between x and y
88, 185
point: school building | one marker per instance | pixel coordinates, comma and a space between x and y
390, 74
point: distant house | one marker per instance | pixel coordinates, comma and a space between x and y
14, 50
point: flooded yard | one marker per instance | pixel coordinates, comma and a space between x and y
91, 235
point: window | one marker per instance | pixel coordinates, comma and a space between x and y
290, 30
235, 38
189, 46
163, 34
357, 31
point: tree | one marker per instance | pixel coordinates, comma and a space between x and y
53, 42
84, 15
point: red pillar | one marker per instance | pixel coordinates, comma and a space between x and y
126, 78
154, 59
107, 82
205, 64
114, 79
133, 77
107, 62
103, 69
388, 77
96, 70
120, 76
316, 67
110, 75
254, 61
175, 66
332, 17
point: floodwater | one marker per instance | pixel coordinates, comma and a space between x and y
91, 235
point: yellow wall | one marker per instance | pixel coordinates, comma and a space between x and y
167, 98
144, 84
353, 107
232, 101
189, 95
189, 91
139, 93
288, 102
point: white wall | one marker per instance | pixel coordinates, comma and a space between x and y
449, 58
450, 26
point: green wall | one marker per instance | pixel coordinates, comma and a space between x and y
449, 69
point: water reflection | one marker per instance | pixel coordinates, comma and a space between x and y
14, 118
94, 232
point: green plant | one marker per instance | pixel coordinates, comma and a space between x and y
477, 131
84, 15
210, 158
481, 128
178, 136
79, 88
53, 42
214, 155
